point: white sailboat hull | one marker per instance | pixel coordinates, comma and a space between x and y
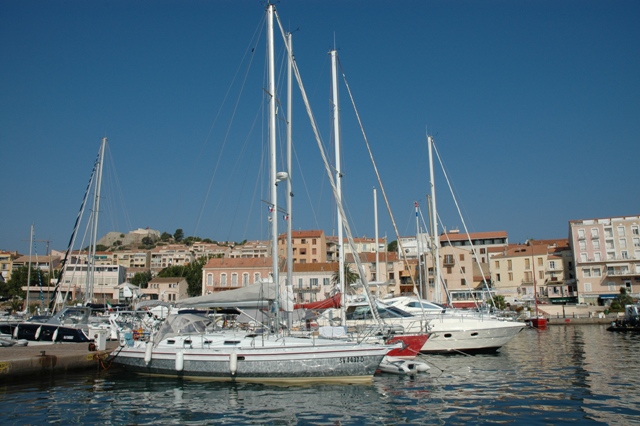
235, 357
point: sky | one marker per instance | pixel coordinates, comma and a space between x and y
534, 107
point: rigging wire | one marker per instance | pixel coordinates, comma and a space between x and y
248, 53
464, 224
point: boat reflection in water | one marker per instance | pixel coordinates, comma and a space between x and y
574, 374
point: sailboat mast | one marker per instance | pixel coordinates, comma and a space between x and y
336, 135
289, 171
419, 251
434, 220
375, 224
29, 269
94, 231
272, 158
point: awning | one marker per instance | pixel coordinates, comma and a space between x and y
607, 296
562, 299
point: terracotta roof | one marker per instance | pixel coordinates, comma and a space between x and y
523, 250
473, 235
239, 262
559, 243
315, 267
308, 233
165, 280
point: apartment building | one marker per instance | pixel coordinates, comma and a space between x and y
250, 249
388, 281
413, 245
362, 245
6, 264
308, 246
167, 289
542, 269
457, 275
312, 282
44, 263
221, 274
106, 282
138, 259
170, 255
208, 250
484, 243
606, 252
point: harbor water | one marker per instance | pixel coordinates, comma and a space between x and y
563, 375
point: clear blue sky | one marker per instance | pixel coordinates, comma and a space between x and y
534, 105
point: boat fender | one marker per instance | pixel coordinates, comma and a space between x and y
15, 332
38, 331
147, 353
407, 368
180, 361
55, 335
233, 362
422, 367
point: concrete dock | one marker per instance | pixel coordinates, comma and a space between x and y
18, 361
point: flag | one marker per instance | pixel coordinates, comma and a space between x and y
109, 306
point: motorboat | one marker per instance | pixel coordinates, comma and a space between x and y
71, 325
452, 332
630, 322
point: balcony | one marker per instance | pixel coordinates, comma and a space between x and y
306, 289
621, 273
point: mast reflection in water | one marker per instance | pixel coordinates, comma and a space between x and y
573, 374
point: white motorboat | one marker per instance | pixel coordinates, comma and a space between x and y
459, 331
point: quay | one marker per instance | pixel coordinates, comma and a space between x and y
575, 315
18, 361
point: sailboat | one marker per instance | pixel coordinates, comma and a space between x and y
192, 346
72, 324
452, 331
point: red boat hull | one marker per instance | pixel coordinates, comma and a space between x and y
411, 345
539, 322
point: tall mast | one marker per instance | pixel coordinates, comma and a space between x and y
94, 231
419, 252
289, 169
375, 224
272, 160
434, 220
29, 270
336, 135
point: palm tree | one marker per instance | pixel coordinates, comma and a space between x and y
350, 277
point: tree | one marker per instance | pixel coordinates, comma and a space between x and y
350, 277
190, 240
147, 241
165, 236
191, 272
392, 246
621, 300
19, 279
497, 301
141, 279
178, 235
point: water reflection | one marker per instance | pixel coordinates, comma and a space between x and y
573, 374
